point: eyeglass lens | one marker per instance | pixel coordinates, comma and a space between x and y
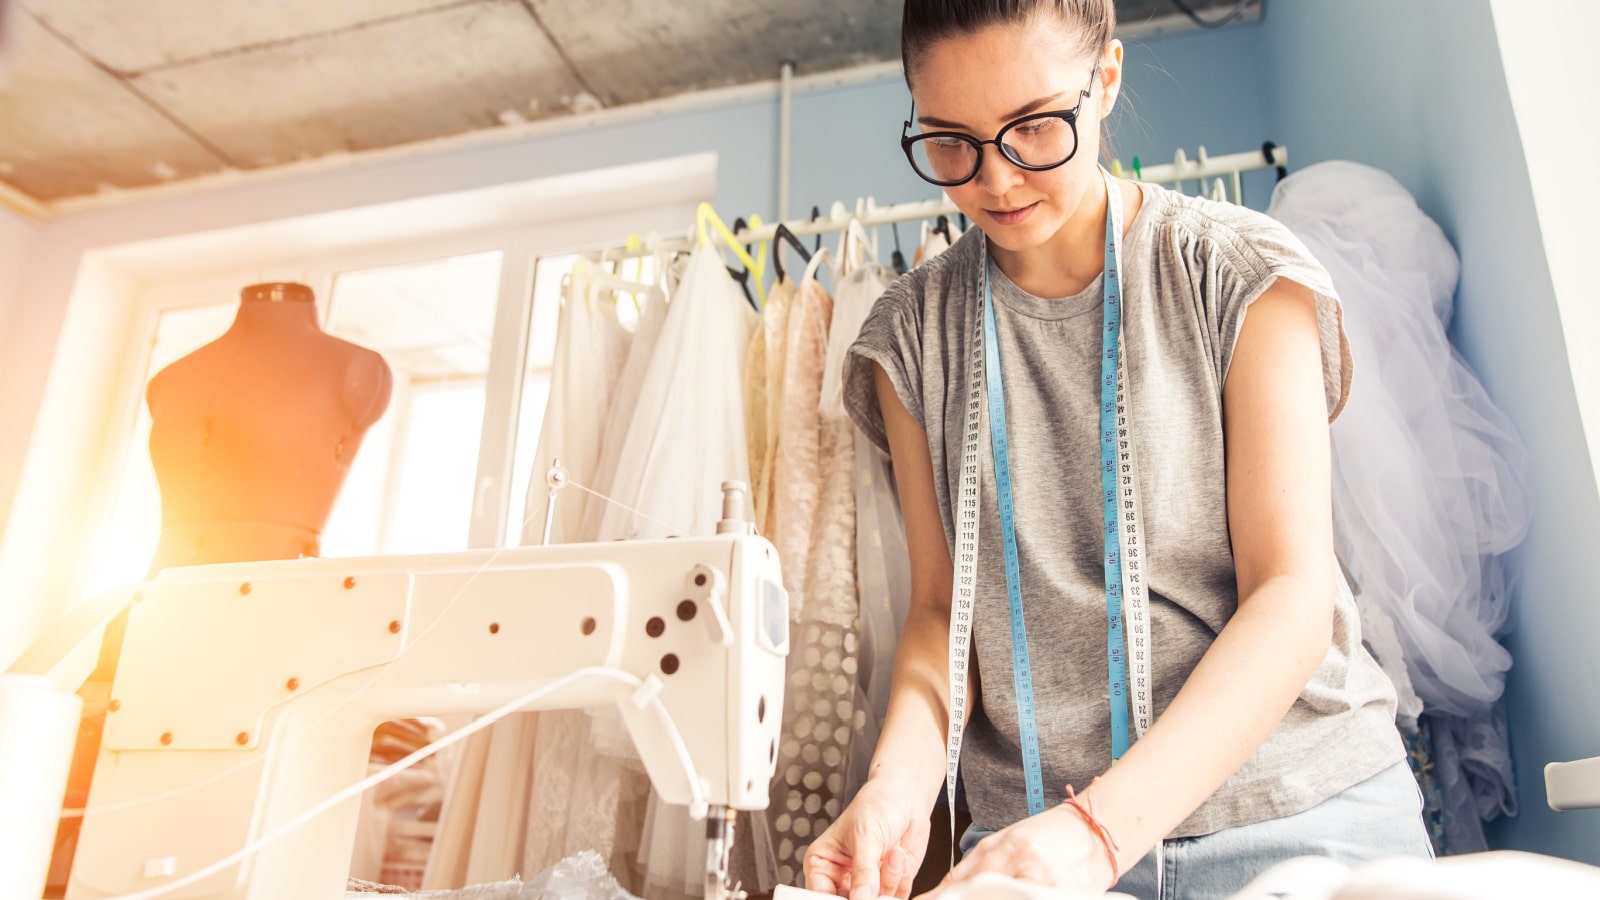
1040, 143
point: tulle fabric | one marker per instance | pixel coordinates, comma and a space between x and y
1428, 481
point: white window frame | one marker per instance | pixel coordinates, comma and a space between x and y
521, 248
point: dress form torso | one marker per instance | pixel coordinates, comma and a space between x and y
251, 438
252, 435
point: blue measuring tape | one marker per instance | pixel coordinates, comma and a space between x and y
1123, 553
1021, 672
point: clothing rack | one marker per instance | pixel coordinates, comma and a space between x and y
869, 214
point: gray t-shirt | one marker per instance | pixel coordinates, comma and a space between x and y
1191, 267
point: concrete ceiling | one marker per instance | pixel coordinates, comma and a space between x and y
104, 96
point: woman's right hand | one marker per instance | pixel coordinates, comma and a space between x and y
876, 847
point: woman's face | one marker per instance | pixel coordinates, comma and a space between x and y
978, 83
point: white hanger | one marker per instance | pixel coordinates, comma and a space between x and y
820, 257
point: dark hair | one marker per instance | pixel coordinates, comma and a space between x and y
926, 22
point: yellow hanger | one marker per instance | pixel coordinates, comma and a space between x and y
634, 243
705, 215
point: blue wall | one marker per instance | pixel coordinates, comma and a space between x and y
1418, 89
1183, 91
1197, 89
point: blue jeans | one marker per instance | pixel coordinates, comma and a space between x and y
1379, 817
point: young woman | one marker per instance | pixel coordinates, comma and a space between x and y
1200, 506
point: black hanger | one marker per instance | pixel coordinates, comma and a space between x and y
1268, 150
964, 223
816, 213
784, 235
897, 259
942, 226
743, 275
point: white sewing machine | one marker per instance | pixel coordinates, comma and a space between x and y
246, 694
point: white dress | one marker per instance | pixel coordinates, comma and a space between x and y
688, 432
1428, 486
624, 401
592, 347
883, 567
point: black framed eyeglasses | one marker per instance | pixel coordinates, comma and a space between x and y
1037, 142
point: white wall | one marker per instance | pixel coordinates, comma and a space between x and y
1554, 694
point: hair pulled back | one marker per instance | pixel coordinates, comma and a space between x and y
926, 22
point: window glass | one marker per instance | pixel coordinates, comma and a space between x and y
410, 488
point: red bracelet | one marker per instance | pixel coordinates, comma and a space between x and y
1099, 828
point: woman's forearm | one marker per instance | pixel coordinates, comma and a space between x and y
1235, 697
911, 744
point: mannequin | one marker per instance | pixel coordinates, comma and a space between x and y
251, 437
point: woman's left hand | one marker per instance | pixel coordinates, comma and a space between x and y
1056, 848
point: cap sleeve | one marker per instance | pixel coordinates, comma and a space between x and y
1262, 253
890, 337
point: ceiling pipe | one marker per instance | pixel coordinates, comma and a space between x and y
785, 134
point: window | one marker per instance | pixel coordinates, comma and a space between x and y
413, 486
410, 487
444, 287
